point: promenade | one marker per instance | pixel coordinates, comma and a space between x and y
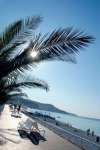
10, 138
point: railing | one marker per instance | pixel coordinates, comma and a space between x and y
77, 140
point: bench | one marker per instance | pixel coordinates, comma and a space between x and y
38, 128
27, 125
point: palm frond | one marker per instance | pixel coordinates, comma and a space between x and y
17, 34
11, 86
18, 95
6, 97
61, 44
26, 81
10, 32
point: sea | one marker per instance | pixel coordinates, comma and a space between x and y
78, 122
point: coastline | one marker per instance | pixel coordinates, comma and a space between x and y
78, 122
69, 128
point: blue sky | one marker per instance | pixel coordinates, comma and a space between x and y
73, 87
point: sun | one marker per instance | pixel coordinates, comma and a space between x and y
34, 54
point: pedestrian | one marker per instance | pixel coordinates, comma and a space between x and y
92, 133
15, 107
88, 131
18, 109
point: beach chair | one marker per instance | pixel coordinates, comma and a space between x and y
27, 125
38, 128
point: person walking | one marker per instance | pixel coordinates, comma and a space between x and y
18, 109
92, 133
15, 107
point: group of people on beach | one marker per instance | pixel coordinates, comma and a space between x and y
16, 107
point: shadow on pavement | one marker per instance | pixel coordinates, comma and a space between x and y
23, 134
34, 137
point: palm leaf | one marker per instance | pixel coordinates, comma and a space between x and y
18, 95
26, 81
61, 44
10, 32
17, 34
12, 86
9, 96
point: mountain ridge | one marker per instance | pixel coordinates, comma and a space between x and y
41, 106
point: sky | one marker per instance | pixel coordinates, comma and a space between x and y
74, 88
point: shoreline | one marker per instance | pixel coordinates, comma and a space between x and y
69, 128
83, 130
82, 125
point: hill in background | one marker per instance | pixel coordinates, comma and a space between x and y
40, 106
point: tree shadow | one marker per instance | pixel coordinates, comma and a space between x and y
4, 138
7, 131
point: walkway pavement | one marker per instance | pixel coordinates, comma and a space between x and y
12, 139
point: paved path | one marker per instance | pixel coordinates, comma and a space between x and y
14, 141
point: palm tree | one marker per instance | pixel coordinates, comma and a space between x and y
18, 43
12, 87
